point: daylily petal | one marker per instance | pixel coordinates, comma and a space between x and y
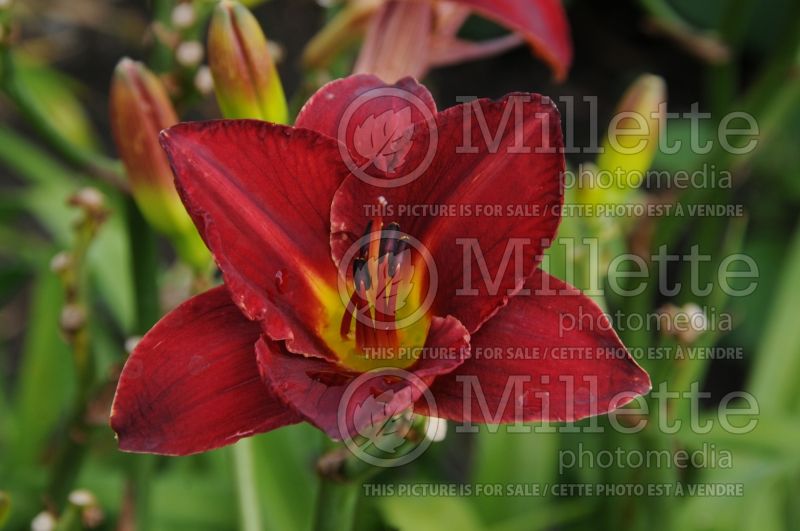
484, 208
192, 383
397, 41
449, 50
450, 16
260, 195
542, 22
549, 356
315, 387
357, 98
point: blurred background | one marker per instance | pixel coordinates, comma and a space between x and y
83, 273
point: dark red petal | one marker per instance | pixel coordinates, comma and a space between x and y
260, 195
356, 98
545, 343
192, 383
526, 187
315, 387
543, 23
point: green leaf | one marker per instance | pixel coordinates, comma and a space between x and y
285, 475
54, 95
505, 458
49, 185
46, 376
774, 380
429, 513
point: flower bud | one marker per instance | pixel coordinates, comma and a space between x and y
183, 16
140, 109
91, 200
435, 429
61, 263
72, 319
686, 323
246, 82
632, 139
189, 53
44, 521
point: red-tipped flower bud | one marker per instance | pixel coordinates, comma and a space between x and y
140, 109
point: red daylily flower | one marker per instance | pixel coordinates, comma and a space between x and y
307, 299
408, 37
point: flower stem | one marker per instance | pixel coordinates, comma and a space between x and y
336, 505
244, 467
341, 476
145, 268
75, 320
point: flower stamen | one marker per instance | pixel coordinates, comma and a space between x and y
382, 275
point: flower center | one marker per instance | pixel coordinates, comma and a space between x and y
383, 323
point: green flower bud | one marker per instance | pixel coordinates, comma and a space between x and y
246, 81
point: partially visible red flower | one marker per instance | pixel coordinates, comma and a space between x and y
283, 212
408, 37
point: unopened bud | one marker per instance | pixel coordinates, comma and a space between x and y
61, 262
246, 82
44, 521
183, 15
82, 498
91, 200
203, 80
189, 53
632, 139
131, 342
435, 429
686, 323
140, 109
73, 318
276, 51
89, 511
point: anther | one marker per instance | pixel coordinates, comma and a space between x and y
396, 258
361, 276
390, 237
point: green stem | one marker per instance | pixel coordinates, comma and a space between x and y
246, 487
148, 311
724, 77
145, 268
161, 57
69, 459
336, 505
70, 456
704, 44
341, 476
